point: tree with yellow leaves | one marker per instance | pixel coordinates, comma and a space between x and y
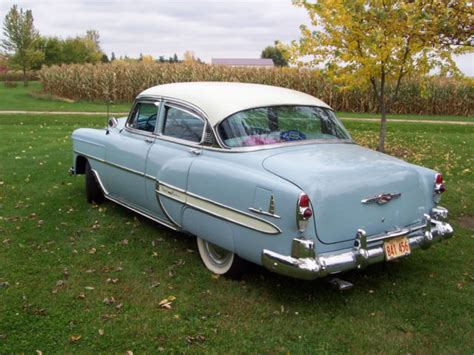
373, 43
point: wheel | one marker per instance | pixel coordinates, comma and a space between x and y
93, 191
221, 261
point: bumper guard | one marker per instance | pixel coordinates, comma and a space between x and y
305, 264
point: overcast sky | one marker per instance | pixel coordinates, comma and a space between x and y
212, 29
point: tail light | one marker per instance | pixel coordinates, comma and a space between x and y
439, 187
303, 211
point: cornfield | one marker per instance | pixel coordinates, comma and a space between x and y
121, 82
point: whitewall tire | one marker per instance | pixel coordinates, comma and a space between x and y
220, 261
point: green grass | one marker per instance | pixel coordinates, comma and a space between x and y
54, 247
18, 98
408, 117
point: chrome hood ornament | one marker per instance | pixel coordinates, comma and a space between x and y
381, 199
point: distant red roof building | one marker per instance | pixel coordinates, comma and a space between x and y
243, 62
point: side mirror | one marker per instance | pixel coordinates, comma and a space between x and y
112, 123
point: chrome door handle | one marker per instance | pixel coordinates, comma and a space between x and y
148, 140
195, 151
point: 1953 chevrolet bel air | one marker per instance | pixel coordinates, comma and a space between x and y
261, 174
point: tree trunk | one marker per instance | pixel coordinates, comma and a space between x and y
383, 112
383, 127
25, 81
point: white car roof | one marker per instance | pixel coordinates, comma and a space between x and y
221, 99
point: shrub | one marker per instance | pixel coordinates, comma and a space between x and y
121, 82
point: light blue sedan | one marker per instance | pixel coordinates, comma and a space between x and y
260, 174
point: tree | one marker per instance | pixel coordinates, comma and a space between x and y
373, 43
104, 59
85, 49
53, 51
112, 57
20, 42
188, 57
276, 54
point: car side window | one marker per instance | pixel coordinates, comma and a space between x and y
144, 117
183, 125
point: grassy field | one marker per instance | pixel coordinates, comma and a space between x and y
81, 278
20, 98
408, 117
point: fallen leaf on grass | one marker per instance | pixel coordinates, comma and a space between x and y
4, 284
156, 284
74, 338
195, 339
101, 332
109, 300
82, 295
106, 316
166, 303
113, 281
89, 288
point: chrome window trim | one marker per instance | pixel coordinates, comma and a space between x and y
177, 106
145, 100
222, 148
280, 144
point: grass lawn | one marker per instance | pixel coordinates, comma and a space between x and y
83, 278
408, 117
18, 98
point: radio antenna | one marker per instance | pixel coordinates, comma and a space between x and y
107, 118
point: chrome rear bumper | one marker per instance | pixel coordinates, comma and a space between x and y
304, 263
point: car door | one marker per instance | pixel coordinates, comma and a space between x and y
127, 154
177, 145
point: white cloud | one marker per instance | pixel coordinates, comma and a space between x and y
211, 28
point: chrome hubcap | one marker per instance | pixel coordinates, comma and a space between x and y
218, 255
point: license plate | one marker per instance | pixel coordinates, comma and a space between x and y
396, 248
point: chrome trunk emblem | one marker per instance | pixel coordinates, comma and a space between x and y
381, 199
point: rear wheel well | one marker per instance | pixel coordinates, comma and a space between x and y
80, 165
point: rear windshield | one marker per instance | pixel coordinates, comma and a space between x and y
281, 124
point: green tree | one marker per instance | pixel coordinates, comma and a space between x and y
81, 50
53, 51
379, 42
21, 40
276, 54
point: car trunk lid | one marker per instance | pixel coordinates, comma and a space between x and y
338, 177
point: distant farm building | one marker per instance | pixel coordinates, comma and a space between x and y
243, 62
